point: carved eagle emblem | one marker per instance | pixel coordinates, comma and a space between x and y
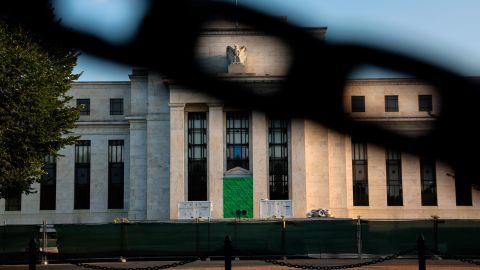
236, 54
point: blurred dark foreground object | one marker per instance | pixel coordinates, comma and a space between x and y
313, 87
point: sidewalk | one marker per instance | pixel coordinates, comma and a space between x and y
255, 264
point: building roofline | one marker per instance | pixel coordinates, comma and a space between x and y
99, 82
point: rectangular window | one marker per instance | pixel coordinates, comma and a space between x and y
237, 140
278, 159
428, 182
82, 175
463, 193
116, 153
394, 178
116, 106
360, 173
13, 202
84, 106
358, 103
425, 103
391, 103
197, 156
48, 184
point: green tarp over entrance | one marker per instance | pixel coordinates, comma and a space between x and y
237, 195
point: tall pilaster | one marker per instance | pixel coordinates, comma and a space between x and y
177, 157
215, 159
299, 185
158, 149
31, 202
259, 160
138, 146
65, 180
99, 174
340, 183
317, 169
138, 168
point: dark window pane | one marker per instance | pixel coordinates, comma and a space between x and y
115, 185
391, 103
360, 173
394, 178
428, 181
197, 156
463, 193
48, 184
115, 174
13, 202
237, 140
116, 106
278, 159
425, 103
84, 106
358, 103
82, 175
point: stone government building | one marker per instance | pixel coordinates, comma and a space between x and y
153, 150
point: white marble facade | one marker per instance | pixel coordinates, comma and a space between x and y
153, 126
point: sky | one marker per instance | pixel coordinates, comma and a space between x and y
444, 32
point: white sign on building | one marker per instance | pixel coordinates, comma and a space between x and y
194, 209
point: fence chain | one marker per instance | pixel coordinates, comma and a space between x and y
157, 267
345, 266
455, 257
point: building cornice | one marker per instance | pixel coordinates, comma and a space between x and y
101, 123
232, 31
247, 78
101, 83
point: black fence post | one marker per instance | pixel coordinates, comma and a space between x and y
122, 240
208, 237
435, 233
32, 254
359, 237
4, 240
197, 237
421, 252
228, 252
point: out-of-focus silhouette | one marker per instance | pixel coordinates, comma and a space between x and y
166, 43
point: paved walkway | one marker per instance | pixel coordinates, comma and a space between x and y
254, 264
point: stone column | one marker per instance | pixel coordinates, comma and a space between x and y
377, 179
411, 185
177, 157
316, 158
2, 210
259, 160
299, 187
31, 203
158, 149
98, 174
138, 168
340, 182
138, 148
65, 180
215, 160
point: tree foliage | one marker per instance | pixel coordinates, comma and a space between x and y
35, 117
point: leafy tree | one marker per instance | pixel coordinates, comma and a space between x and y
35, 118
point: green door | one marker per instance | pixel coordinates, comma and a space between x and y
238, 196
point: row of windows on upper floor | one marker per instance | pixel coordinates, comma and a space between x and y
357, 102
116, 106
391, 103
